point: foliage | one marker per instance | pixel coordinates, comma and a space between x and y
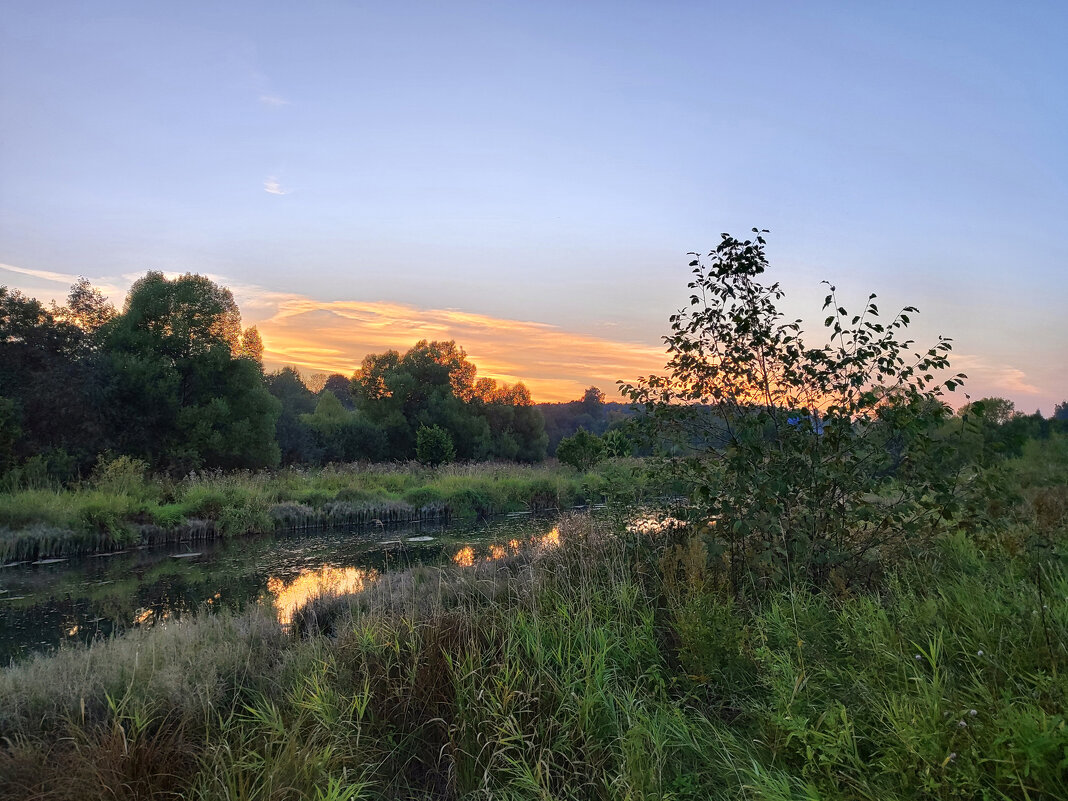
86, 308
1060, 412
434, 446
296, 441
617, 444
251, 346
434, 384
10, 431
591, 412
602, 667
180, 393
49, 371
807, 458
582, 451
343, 435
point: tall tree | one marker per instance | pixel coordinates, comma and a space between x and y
181, 394
434, 384
46, 373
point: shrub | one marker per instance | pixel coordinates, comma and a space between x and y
124, 475
795, 448
582, 450
433, 446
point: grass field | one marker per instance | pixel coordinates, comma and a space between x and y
120, 505
609, 665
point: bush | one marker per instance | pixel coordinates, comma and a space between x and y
433, 446
123, 475
582, 451
795, 449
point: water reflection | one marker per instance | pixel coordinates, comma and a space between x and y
82, 599
467, 556
309, 585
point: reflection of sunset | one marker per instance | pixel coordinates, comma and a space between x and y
549, 540
465, 557
142, 617
291, 596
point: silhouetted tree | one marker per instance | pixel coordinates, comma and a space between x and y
180, 393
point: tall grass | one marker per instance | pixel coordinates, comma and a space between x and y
610, 666
120, 504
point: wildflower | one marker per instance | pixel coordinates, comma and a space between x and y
952, 756
972, 712
961, 724
917, 657
979, 652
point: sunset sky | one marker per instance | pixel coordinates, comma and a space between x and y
527, 178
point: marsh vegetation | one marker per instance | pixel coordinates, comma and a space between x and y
863, 595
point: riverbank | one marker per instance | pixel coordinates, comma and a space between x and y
602, 664
120, 506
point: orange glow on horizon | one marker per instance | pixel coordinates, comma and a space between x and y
333, 337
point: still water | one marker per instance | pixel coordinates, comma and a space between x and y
46, 604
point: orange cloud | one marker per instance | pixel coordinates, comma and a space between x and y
334, 336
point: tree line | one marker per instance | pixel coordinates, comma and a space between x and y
172, 378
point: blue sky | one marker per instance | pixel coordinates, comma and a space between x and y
528, 177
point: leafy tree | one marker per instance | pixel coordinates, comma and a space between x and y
251, 345
1060, 411
341, 387
86, 308
229, 418
793, 449
516, 426
434, 446
617, 444
582, 450
180, 394
434, 384
295, 440
50, 375
343, 435
593, 403
10, 431
181, 318
997, 411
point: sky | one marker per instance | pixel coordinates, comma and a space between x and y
527, 178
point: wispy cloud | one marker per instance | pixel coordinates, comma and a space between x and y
987, 378
44, 275
555, 364
106, 284
272, 187
274, 101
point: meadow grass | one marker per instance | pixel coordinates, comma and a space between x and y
120, 505
611, 665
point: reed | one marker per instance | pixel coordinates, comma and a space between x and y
120, 506
609, 664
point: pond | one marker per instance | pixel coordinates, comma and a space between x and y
51, 602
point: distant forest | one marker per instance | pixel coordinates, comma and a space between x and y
173, 379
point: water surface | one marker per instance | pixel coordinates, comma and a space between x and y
45, 604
